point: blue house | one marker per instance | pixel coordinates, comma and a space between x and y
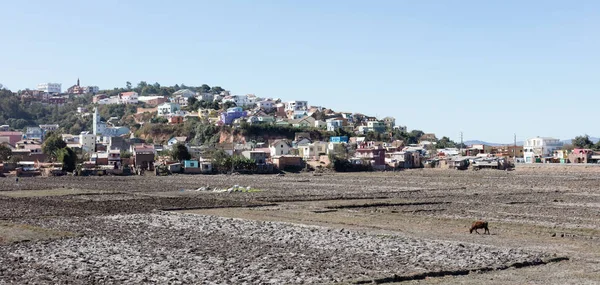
232, 113
190, 164
342, 139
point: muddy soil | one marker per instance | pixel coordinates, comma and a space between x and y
409, 226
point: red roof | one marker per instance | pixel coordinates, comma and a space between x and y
128, 94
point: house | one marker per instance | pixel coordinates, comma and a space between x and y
231, 114
128, 97
305, 122
208, 97
579, 155
286, 161
182, 101
114, 158
280, 147
312, 150
296, 106
239, 100
34, 133
540, 149
266, 105
174, 167
205, 166
334, 124
153, 100
261, 119
167, 109
176, 119
11, 137
260, 157
342, 139
175, 140
319, 124
4, 128
143, 156
389, 122
98, 98
374, 155
280, 110
29, 146
186, 93
49, 127
87, 142
373, 126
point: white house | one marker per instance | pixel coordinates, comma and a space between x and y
168, 108
320, 124
280, 147
187, 93
266, 105
87, 142
240, 100
49, 87
128, 97
175, 140
334, 124
296, 105
540, 148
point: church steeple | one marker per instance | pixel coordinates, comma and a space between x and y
77, 81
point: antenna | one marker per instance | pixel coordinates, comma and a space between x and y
461, 142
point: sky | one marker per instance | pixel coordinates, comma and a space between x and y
488, 69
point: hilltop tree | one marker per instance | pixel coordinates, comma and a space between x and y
128, 85
582, 142
53, 144
205, 88
180, 152
445, 142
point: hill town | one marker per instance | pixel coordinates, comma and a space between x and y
156, 130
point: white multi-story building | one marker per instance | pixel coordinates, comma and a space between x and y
296, 106
538, 149
87, 142
239, 100
49, 87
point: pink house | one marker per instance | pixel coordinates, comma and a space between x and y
11, 137
375, 155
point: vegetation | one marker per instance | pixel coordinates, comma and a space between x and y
5, 152
180, 152
222, 162
585, 142
68, 157
52, 144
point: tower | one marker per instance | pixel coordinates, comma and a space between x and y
78, 82
95, 122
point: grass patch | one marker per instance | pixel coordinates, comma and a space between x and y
11, 233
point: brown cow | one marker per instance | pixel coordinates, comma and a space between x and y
479, 225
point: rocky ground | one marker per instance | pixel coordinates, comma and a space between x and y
348, 228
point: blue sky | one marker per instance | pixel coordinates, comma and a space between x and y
488, 69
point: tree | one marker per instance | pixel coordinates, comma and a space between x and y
582, 142
68, 158
445, 142
180, 152
128, 85
5, 152
192, 103
205, 88
217, 90
53, 144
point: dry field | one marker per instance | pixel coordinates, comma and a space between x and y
409, 227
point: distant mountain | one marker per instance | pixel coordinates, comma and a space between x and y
519, 143
472, 142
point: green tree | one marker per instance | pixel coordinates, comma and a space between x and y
128, 85
582, 142
180, 152
68, 158
52, 144
216, 89
5, 152
445, 142
205, 88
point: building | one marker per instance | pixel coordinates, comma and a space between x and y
10, 137
100, 128
540, 149
260, 157
334, 124
143, 156
168, 109
580, 155
175, 140
240, 100
342, 139
285, 161
34, 133
128, 97
87, 142
312, 150
296, 106
373, 126
390, 122
186, 93
153, 100
280, 147
52, 88
375, 155
99, 97
208, 97
266, 105
232, 114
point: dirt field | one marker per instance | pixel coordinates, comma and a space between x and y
409, 227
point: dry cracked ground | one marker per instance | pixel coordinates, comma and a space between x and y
409, 227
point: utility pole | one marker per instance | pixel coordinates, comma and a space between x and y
515, 148
461, 142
